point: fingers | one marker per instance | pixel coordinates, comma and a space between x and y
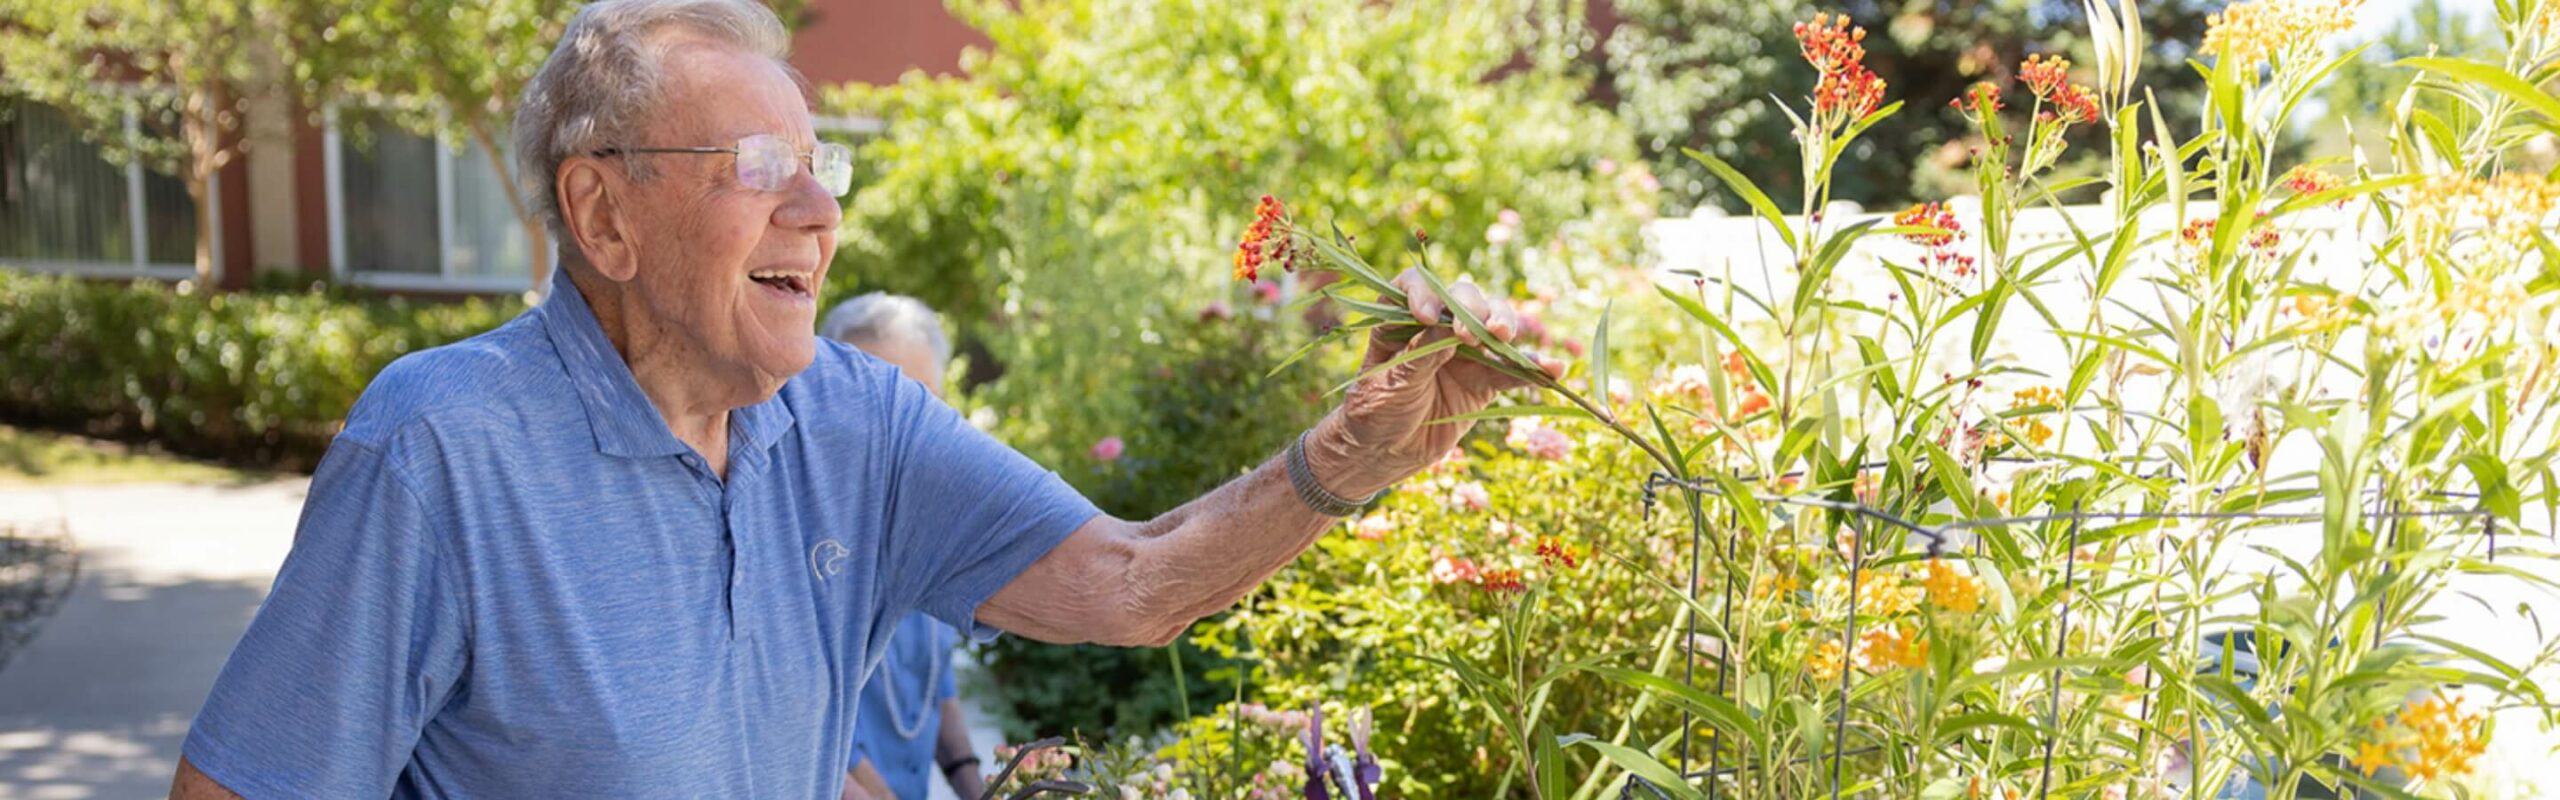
1468, 297
1427, 306
1419, 298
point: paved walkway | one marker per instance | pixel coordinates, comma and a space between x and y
97, 704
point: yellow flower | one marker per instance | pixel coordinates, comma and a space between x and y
1951, 590
1824, 664
2448, 738
2249, 35
1879, 594
1770, 584
2508, 208
1886, 648
2371, 756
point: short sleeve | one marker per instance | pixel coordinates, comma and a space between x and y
966, 513
357, 645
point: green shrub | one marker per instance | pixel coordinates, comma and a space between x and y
256, 377
1191, 402
1163, 121
1073, 199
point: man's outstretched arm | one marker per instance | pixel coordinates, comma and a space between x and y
193, 784
1143, 583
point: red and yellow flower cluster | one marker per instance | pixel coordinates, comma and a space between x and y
1270, 240
1943, 244
2049, 78
1837, 50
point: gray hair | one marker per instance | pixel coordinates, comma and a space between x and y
880, 317
603, 79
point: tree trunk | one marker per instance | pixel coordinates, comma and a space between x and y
199, 126
534, 236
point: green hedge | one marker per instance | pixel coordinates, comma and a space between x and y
255, 377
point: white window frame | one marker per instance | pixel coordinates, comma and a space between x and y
333, 148
333, 167
141, 266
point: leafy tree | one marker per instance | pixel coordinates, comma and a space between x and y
1072, 200
183, 69
1701, 74
451, 68
1168, 119
2370, 86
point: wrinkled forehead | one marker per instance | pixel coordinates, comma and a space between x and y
712, 94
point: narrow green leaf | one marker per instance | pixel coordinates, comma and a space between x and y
1751, 194
1401, 359
2496, 78
1637, 763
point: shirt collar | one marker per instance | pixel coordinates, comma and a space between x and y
623, 420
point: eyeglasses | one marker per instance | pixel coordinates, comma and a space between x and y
767, 162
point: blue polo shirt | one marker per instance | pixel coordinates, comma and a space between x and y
914, 678
511, 580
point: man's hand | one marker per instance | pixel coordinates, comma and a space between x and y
1381, 434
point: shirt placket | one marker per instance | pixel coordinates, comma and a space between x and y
715, 495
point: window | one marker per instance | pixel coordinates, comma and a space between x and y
409, 212
66, 207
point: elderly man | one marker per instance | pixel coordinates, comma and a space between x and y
909, 725
647, 539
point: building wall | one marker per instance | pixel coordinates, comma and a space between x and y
875, 41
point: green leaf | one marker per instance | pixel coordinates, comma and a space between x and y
2496, 78
1816, 274
1719, 712
1759, 370
1507, 412
1750, 193
1637, 763
2497, 494
1474, 325
1401, 359
1600, 356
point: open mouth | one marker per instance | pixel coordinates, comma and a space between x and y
791, 283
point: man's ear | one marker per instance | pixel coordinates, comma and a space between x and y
591, 208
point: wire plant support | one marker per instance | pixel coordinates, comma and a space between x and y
1934, 539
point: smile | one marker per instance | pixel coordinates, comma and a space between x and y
795, 283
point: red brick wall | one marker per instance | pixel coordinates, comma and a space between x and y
875, 41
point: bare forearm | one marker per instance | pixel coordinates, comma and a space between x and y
953, 747
193, 784
1215, 550
1126, 583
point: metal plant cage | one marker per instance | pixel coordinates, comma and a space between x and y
1937, 539
37, 570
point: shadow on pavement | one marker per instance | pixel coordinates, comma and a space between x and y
97, 704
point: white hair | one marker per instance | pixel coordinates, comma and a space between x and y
602, 81
882, 317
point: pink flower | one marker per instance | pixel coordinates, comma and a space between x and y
1108, 449
1452, 569
1509, 217
1266, 292
1374, 527
1215, 311
1456, 460
1531, 436
1687, 382
1471, 495
1607, 166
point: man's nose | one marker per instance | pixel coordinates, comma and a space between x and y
807, 205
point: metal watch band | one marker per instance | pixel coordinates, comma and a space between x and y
1313, 493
